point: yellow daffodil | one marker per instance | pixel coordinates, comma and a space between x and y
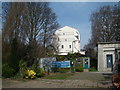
30, 74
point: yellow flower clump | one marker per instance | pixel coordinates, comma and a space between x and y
30, 74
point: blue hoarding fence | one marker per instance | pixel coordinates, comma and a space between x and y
60, 64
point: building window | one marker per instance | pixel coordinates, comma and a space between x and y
69, 46
62, 46
76, 37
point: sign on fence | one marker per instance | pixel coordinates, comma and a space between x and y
60, 64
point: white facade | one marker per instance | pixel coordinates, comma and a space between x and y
68, 40
106, 55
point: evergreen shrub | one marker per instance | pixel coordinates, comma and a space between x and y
93, 69
62, 70
7, 71
79, 69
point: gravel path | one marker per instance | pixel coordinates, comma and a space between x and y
79, 80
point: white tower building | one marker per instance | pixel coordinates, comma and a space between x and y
68, 40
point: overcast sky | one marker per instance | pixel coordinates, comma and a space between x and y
77, 15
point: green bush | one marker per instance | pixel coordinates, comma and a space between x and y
72, 69
55, 69
17, 75
25, 71
22, 68
38, 72
62, 70
7, 71
60, 58
35, 65
13, 60
94, 63
79, 69
93, 69
42, 72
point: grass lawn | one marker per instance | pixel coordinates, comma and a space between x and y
58, 76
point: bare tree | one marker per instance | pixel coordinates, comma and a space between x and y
31, 24
11, 27
105, 27
105, 24
49, 26
40, 23
116, 21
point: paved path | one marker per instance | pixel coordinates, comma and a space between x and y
79, 80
